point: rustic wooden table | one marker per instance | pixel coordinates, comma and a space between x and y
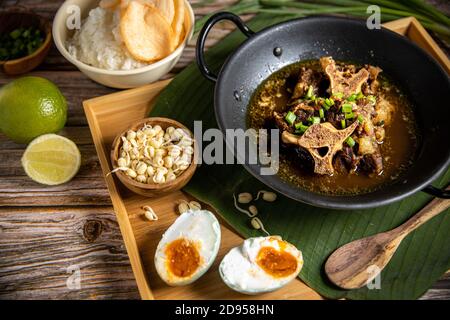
49, 235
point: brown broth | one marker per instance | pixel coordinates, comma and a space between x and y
398, 149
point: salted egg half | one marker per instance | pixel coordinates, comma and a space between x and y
260, 265
188, 248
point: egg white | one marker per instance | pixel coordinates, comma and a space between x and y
240, 271
200, 227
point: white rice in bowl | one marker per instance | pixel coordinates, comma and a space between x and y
98, 43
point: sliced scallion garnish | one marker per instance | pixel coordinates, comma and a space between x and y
328, 103
343, 124
301, 128
310, 92
290, 117
349, 115
321, 113
315, 120
338, 95
372, 99
350, 142
347, 107
360, 119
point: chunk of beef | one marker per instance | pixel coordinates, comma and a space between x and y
371, 163
303, 111
373, 78
384, 111
380, 134
307, 77
305, 160
281, 123
367, 145
346, 159
335, 118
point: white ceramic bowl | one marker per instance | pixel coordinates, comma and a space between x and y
116, 79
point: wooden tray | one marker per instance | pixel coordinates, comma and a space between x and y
109, 115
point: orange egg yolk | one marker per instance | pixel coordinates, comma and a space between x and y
183, 258
278, 264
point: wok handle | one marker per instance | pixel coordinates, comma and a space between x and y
436, 192
204, 69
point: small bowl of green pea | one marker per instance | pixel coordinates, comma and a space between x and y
25, 40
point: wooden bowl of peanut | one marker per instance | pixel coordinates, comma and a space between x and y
154, 156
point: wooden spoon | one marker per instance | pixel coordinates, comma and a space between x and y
351, 266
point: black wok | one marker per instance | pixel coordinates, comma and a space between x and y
273, 48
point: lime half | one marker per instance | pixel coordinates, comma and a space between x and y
51, 159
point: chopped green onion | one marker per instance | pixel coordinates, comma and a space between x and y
26, 33
328, 103
349, 115
338, 95
352, 97
360, 95
321, 113
350, 142
347, 107
310, 92
343, 124
15, 34
290, 117
360, 119
372, 99
315, 120
301, 128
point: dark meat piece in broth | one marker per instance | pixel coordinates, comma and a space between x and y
346, 157
372, 163
371, 87
303, 111
305, 159
281, 123
307, 77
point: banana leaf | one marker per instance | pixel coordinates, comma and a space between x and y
419, 261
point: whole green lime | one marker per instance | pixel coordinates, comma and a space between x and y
30, 107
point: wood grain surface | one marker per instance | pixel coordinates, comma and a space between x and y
49, 235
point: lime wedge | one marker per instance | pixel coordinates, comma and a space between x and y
51, 159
